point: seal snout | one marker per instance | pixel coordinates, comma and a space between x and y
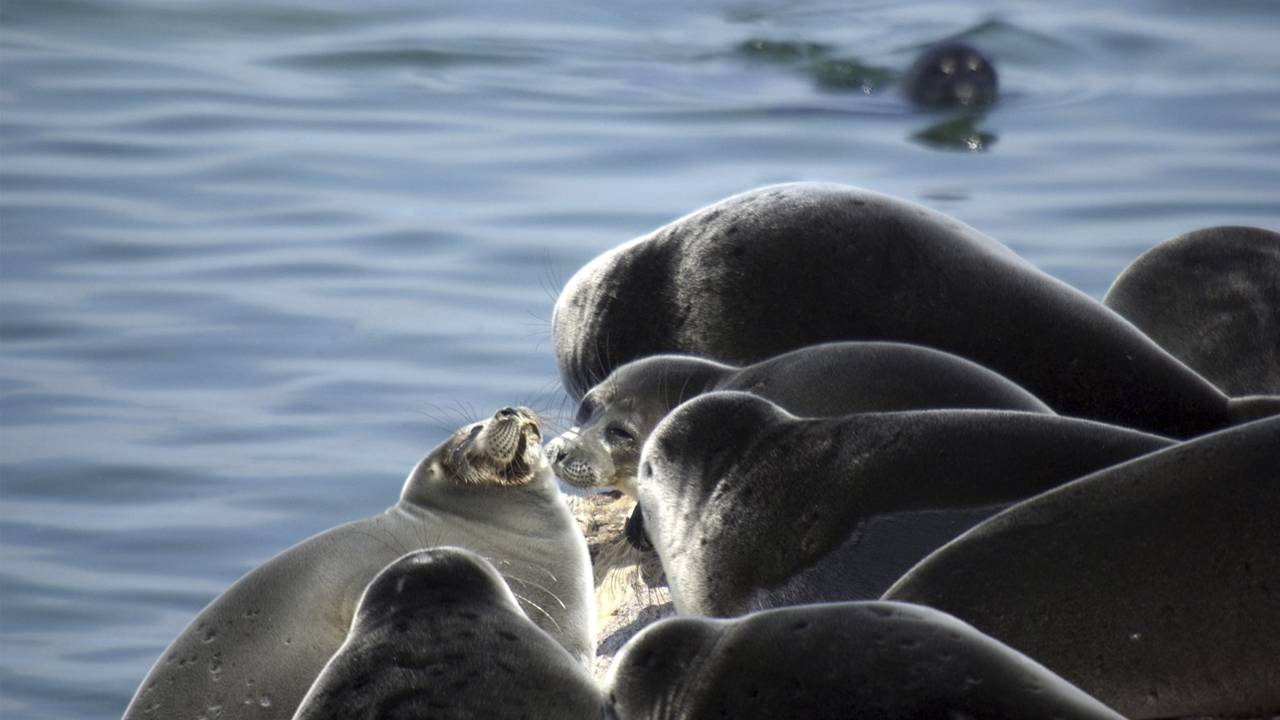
574, 465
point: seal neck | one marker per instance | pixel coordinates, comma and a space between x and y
429, 491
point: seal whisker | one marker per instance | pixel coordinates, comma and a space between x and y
543, 588
539, 609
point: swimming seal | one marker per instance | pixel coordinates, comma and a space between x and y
787, 266
438, 633
950, 75
1151, 585
836, 661
1211, 298
614, 418
750, 507
259, 645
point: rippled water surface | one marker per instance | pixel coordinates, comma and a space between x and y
256, 258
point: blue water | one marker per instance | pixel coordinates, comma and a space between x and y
256, 258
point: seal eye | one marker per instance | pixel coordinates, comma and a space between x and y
585, 411
617, 433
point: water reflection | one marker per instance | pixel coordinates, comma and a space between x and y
958, 133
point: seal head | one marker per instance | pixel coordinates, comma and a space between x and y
951, 75
439, 632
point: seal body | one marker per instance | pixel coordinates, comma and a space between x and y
836, 661
254, 651
787, 266
1151, 585
1211, 298
614, 418
951, 75
750, 507
438, 633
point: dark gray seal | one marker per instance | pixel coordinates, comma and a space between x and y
788, 266
1151, 585
1211, 298
259, 646
951, 75
614, 418
438, 634
876, 660
750, 507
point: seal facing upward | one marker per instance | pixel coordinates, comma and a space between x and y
487, 488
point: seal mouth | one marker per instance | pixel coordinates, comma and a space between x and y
521, 466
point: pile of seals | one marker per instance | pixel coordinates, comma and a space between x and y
887, 469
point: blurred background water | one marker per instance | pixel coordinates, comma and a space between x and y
256, 258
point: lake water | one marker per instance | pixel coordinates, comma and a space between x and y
256, 258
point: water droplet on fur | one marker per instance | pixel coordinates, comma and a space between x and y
265, 700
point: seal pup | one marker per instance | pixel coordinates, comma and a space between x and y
750, 507
438, 633
951, 75
602, 449
836, 661
787, 266
254, 651
1151, 585
1211, 297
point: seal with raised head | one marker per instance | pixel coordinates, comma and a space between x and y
438, 634
836, 661
614, 418
1152, 585
750, 507
1211, 297
787, 266
254, 651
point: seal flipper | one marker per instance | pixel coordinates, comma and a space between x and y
636, 535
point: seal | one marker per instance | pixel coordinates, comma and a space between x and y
438, 632
1151, 585
1211, 297
602, 449
787, 266
261, 644
750, 507
951, 75
842, 660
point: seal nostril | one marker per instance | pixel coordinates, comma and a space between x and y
560, 454
506, 412
646, 470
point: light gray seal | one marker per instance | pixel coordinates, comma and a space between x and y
1211, 298
1153, 585
787, 266
602, 449
876, 660
750, 507
439, 634
254, 651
